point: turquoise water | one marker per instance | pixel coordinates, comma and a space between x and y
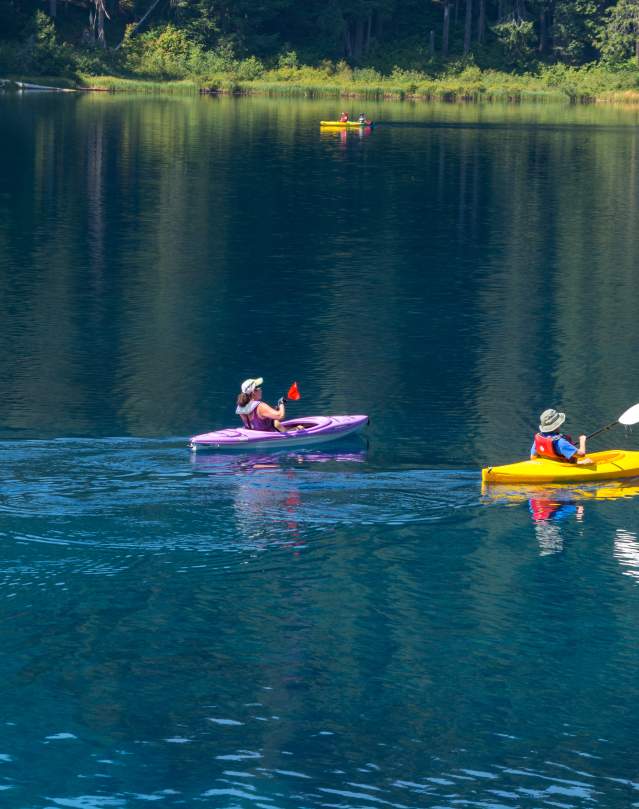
355, 625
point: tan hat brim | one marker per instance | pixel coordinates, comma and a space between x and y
549, 428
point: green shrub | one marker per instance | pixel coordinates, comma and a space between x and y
249, 69
366, 75
288, 59
165, 53
94, 61
42, 54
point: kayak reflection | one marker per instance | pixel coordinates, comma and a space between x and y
550, 500
223, 463
266, 491
552, 507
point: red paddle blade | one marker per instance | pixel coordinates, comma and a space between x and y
293, 393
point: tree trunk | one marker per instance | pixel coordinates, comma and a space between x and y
637, 49
91, 30
456, 17
140, 25
500, 10
101, 35
432, 44
542, 31
468, 23
445, 29
358, 47
369, 29
481, 25
53, 8
348, 45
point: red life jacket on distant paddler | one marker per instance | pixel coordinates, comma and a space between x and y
546, 446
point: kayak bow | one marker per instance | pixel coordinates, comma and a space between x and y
609, 465
316, 430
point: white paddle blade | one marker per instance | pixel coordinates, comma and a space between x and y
631, 416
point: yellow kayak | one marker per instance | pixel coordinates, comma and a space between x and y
345, 124
608, 465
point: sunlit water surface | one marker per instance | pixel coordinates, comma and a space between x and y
354, 625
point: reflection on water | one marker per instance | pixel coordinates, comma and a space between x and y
449, 245
322, 628
553, 507
217, 463
627, 552
267, 511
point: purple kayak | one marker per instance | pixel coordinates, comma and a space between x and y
315, 430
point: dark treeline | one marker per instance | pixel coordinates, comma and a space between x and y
382, 34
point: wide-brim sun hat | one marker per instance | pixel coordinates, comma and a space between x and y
249, 385
550, 420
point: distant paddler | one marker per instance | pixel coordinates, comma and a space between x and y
550, 443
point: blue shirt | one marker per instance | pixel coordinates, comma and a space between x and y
562, 446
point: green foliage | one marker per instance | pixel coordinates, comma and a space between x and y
619, 34
366, 75
249, 69
517, 39
41, 53
574, 30
319, 47
288, 59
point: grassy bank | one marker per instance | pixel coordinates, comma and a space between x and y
469, 84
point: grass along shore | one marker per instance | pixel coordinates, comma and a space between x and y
587, 84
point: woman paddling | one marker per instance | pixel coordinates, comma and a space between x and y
256, 414
550, 443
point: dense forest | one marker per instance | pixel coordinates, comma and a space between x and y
173, 38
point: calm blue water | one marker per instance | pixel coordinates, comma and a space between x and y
356, 625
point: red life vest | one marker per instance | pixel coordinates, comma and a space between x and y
546, 446
542, 510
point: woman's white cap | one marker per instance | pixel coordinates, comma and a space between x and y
249, 385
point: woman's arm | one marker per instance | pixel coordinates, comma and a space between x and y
268, 412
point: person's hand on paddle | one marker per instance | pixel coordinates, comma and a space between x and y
581, 452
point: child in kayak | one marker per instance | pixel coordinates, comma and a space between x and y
343, 118
550, 443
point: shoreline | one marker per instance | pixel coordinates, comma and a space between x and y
453, 89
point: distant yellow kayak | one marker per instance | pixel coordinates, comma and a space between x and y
608, 465
345, 124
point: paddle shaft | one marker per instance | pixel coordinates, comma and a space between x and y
602, 429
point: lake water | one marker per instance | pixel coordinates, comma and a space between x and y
357, 625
